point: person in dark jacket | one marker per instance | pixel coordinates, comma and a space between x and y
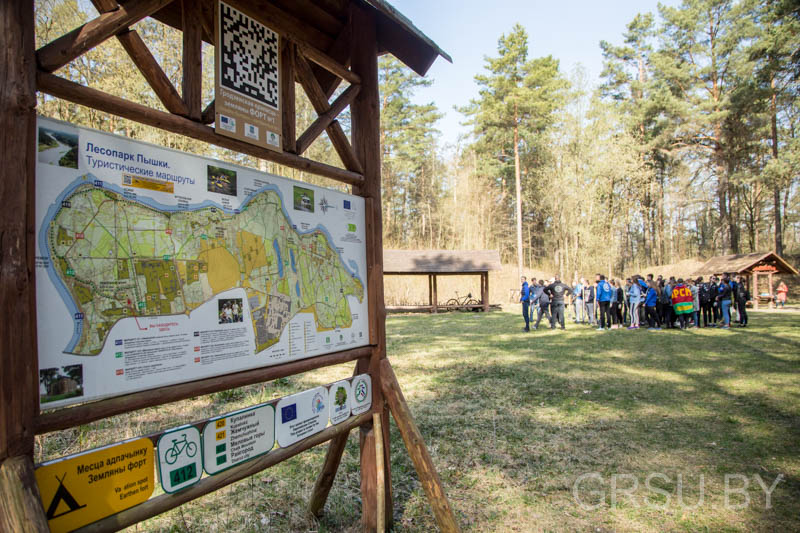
724, 300
542, 300
715, 307
557, 291
706, 298
524, 297
742, 295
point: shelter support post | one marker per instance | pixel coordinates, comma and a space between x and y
430, 292
435, 308
771, 294
20, 506
755, 290
485, 291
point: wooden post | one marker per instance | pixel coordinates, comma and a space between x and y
430, 292
380, 477
771, 296
417, 450
365, 118
288, 118
20, 507
435, 296
485, 291
192, 58
755, 291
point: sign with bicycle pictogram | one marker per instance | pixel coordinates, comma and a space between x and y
180, 463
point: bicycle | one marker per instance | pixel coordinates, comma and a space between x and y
178, 446
462, 302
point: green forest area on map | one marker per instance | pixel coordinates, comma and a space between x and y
120, 258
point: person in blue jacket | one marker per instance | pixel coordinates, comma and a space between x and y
724, 298
650, 301
525, 298
635, 298
604, 302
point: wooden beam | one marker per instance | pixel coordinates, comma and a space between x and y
284, 23
328, 63
165, 502
324, 120
101, 101
365, 119
321, 105
89, 412
340, 52
146, 63
322, 487
58, 53
415, 445
288, 100
19, 376
20, 505
209, 114
152, 72
192, 57
381, 479
312, 15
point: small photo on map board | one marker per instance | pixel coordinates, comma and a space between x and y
58, 146
247, 93
145, 277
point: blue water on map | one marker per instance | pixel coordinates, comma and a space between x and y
90, 179
297, 288
291, 256
278, 253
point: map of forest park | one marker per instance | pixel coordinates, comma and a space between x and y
120, 258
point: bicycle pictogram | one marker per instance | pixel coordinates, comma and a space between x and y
178, 447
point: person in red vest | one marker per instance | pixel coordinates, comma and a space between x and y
682, 302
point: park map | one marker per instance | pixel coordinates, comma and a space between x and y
120, 258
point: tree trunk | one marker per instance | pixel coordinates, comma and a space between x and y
519, 193
776, 189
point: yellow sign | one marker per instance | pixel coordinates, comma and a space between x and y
140, 182
80, 489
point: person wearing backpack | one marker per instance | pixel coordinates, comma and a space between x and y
524, 297
742, 296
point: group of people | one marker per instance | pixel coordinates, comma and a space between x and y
657, 302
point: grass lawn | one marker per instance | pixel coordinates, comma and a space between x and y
513, 419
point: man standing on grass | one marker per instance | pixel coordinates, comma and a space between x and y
706, 302
524, 297
577, 300
742, 295
540, 297
604, 301
557, 291
682, 302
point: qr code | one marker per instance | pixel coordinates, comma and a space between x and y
249, 63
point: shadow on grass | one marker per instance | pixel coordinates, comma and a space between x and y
539, 409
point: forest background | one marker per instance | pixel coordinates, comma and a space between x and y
689, 147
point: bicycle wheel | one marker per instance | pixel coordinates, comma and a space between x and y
452, 302
473, 301
191, 449
171, 456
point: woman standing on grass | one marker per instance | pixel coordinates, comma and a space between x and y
635, 295
783, 292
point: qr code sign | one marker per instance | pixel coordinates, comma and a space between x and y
249, 63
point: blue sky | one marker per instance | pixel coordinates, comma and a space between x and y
469, 29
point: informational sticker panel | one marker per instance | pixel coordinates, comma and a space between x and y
301, 415
238, 437
247, 97
157, 267
339, 399
180, 463
80, 489
362, 394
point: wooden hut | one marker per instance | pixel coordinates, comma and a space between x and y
750, 265
433, 263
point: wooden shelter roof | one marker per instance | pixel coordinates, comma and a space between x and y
322, 24
741, 263
440, 261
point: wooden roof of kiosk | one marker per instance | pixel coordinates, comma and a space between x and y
323, 44
434, 263
750, 265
